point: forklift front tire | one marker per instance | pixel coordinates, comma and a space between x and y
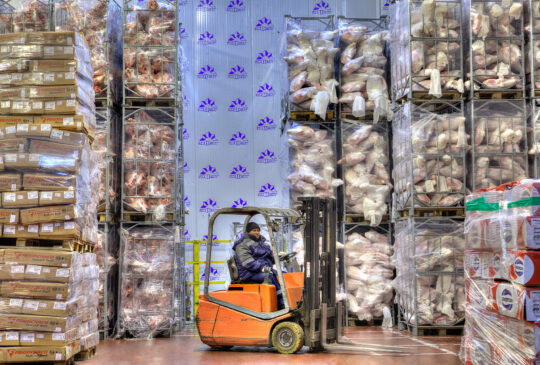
288, 337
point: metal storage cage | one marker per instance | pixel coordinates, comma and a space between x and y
26, 16
429, 280
495, 48
150, 298
534, 138
360, 39
429, 149
499, 148
426, 49
532, 31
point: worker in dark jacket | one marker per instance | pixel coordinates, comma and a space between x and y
254, 258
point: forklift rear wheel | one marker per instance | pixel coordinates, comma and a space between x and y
288, 337
221, 348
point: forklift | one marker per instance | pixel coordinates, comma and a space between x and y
246, 314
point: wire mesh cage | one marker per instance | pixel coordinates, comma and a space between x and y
429, 149
499, 148
25, 16
429, 280
496, 46
534, 138
532, 32
426, 48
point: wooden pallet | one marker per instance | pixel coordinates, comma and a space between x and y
157, 102
86, 354
368, 117
352, 322
102, 218
71, 244
359, 218
425, 96
308, 116
145, 217
432, 331
500, 94
449, 212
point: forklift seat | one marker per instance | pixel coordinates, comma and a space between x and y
233, 272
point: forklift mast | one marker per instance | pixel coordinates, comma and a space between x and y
322, 315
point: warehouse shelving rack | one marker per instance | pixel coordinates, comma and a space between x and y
107, 302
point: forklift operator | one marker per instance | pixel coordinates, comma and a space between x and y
254, 259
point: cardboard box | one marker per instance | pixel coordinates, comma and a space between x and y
523, 267
47, 338
57, 197
22, 161
58, 66
54, 148
41, 79
55, 38
14, 65
10, 120
34, 130
9, 338
12, 145
39, 161
21, 231
48, 214
76, 123
28, 322
35, 256
515, 301
60, 230
20, 199
51, 92
11, 272
24, 51
41, 307
35, 354
51, 274
40, 181
70, 138
37, 290
9, 216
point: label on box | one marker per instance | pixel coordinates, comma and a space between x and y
68, 50
49, 51
9, 229
22, 127
15, 302
59, 296
31, 304
70, 75
33, 269
56, 134
17, 269
34, 157
11, 130
60, 305
46, 196
37, 105
33, 229
47, 227
58, 356
13, 187
11, 157
69, 194
67, 216
48, 77
69, 225
50, 105
69, 121
32, 195
70, 103
12, 218
10, 197
62, 273
58, 329
46, 127
16, 77
12, 336
27, 337
18, 105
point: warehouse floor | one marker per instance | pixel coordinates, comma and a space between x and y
186, 348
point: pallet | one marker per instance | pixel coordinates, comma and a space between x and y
102, 218
425, 96
308, 116
432, 330
156, 103
75, 245
359, 218
375, 322
103, 103
449, 212
368, 117
144, 217
86, 354
500, 94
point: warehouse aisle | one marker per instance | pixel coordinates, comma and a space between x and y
185, 348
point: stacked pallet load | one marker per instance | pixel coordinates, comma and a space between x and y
501, 285
48, 181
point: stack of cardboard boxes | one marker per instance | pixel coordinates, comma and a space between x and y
49, 179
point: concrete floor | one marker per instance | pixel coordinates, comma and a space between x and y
186, 348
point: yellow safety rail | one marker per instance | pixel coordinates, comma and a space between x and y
196, 266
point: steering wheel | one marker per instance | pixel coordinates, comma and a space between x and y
288, 256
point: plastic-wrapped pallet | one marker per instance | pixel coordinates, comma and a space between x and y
363, 69
429, 280
25, 16
312, 161
425, 47
310, 56
496, 58
147, 264
365, 170
370, 271
429, 152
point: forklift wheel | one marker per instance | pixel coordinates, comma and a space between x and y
288, 337
220, 348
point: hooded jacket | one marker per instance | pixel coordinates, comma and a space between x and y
252, 255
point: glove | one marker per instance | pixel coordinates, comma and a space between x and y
266, 269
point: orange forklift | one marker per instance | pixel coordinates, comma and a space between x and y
246, 314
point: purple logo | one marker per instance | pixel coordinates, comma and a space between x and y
267, 191
185, 134
208, 139
476, 263
267, 157
507, 299
518, 267
237, 73
236, 6
214, 274
264, 25
237, 39
187, 202
207, 39
207, 106
209, 206
238, 139
187, 236
208, 173
266, 124
265, 91
238, 105
240, 203
239, 172
186, 101
322, 8
207, 72
206, 5
187, 169
183, 33
264, 58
